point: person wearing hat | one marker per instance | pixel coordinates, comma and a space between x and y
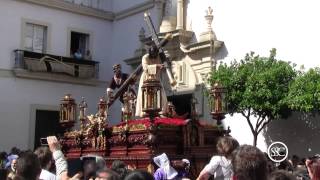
165, 171
11, 165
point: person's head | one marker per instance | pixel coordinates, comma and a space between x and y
295, 159
285, 165
139, 175
11, 162
14, 165
226, 145
45, 157
89, 167
100, 162
163, 162
153, 52
281, 175
120, 167
15, 150
107, 174
118, 164
3, 155
249, 163
313, 166
117, 69
28, 166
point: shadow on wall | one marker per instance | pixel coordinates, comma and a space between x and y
222, 53
299, 132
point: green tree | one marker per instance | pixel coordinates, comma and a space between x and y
304, 92
257, 87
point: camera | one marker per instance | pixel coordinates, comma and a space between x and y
43, 142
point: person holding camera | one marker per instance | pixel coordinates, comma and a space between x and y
53, 155
46, 160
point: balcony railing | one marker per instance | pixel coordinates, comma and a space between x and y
47, 63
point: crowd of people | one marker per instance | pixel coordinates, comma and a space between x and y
232, 162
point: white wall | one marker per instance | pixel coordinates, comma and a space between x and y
18, 95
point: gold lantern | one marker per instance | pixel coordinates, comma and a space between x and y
151, 97
67, 109
218, 103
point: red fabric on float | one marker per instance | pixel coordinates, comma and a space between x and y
158, 121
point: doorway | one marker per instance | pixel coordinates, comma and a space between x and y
182, 103
47, 124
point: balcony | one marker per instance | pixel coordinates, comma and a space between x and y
55, 68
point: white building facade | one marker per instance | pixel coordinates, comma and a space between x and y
111, 30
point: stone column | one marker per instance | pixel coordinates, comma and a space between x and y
208, 34
180, 18
169, 20
160, 8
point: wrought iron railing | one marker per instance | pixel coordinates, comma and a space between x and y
39, 62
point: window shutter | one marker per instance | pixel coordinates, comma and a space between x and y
28, 40
38, 37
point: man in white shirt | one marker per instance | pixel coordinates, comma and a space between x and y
45, 157
48, 157
220, 165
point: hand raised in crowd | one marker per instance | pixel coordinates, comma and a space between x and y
160, 66
53, 143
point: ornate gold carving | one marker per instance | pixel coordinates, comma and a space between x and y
137, 127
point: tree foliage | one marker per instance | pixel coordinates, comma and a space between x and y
304, 92
257, 88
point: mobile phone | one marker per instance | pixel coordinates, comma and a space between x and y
43, 142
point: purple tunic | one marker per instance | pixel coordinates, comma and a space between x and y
159, 174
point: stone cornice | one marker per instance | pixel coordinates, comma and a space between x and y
192, 48
21, 73
87, 11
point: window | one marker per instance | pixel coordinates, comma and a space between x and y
182, 78
79, 41
35, 38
